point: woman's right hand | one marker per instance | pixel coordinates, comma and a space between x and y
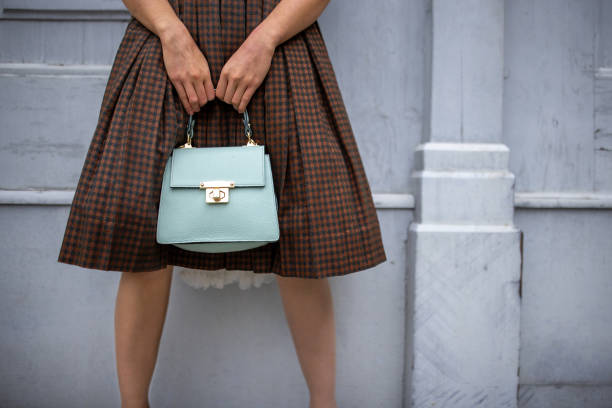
187, 68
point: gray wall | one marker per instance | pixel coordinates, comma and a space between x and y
227, 345
558, 125
232, 345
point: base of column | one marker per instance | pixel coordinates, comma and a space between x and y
463, 300
463, 305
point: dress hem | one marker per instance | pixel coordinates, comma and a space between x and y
371, 261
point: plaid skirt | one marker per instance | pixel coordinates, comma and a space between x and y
328, 222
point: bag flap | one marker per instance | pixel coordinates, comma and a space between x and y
242, 164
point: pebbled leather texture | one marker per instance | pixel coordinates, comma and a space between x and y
247, 221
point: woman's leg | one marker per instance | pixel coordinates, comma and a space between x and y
309, 310
140, 312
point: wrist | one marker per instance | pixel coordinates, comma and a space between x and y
267, 35
167, 30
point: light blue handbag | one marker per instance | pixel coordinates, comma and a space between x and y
218, 199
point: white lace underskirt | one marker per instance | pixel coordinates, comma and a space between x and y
203, 279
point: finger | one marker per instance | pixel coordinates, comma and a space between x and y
246, 97
229, 91
220, 91
183, 96
199, 88
210, 89
192, 96
238, 95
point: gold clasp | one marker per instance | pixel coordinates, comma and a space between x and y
217, 191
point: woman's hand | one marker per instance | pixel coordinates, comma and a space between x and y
245, 70
187, 68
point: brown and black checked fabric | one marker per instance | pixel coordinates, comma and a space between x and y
328, 222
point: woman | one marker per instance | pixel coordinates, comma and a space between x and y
212, 59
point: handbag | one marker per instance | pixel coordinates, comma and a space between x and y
218, 199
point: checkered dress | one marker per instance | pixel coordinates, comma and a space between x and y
328, 222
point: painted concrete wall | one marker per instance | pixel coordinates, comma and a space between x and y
226, 347
558, 123
56, 329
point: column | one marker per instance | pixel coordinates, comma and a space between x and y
463, 249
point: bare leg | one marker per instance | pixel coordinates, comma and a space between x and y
308, 306
140, 312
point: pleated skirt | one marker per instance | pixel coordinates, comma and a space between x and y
328, 222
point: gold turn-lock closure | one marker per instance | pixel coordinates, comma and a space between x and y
217, 191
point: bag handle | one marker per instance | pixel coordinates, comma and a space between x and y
247, 130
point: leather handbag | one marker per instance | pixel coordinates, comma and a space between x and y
218, 199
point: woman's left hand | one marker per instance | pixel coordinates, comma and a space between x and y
245, 70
